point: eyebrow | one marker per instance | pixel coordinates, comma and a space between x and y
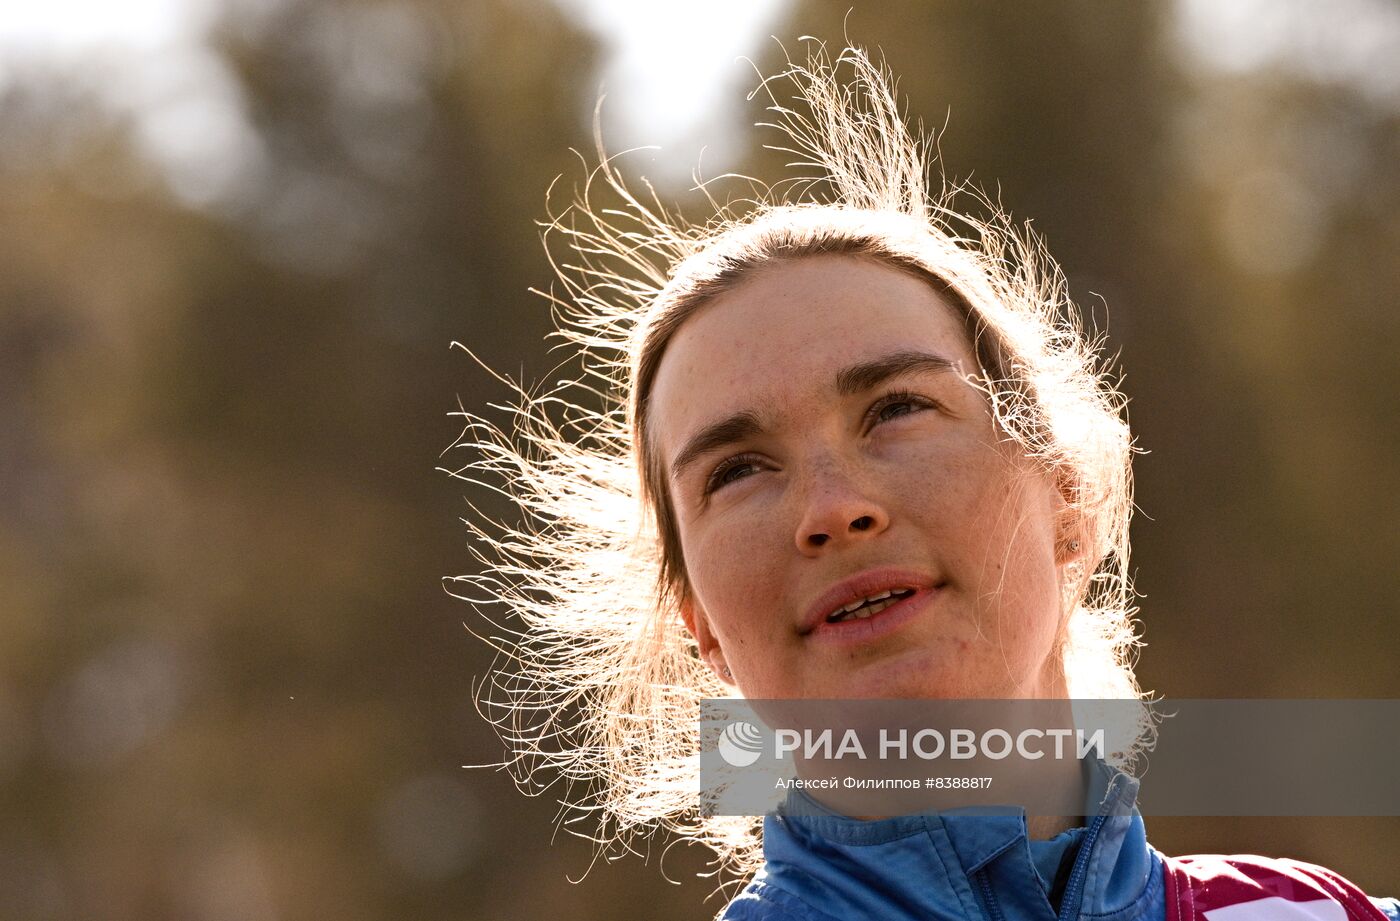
860, 377
850, 381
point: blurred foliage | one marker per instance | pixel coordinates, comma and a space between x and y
230, 684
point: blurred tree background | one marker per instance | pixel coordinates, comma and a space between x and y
231, 685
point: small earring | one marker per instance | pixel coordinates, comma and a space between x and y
727, 672
1074, 546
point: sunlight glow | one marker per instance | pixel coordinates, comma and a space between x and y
147, 61
63, 26
669, 65
1353, 43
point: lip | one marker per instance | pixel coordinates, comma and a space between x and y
861, 585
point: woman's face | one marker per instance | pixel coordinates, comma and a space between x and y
822, 446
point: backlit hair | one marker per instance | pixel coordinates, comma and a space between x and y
599, 688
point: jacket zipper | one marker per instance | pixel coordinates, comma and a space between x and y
1069, 899
987, 897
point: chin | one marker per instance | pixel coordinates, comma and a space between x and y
919, 678
908, 678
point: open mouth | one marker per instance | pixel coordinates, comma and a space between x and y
869, 607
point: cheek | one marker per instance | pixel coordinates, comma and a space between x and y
1019, 586
992, 523
735, 571
1016, 535
961, 497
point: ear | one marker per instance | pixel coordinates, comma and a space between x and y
1070, 546
698, 624
1071, 534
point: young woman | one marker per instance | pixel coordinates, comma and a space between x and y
848, 395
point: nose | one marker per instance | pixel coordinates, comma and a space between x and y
838, 513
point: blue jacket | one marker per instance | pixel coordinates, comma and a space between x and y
950, 867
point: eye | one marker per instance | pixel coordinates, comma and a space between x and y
729, 470
896, 404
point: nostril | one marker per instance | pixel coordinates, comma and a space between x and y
862, 523
818, 539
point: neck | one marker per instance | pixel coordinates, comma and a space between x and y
1043, 827
1053, 782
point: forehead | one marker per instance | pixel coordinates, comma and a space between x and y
776, 340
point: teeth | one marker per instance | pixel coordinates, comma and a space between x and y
869, 600
875, 608
867, 607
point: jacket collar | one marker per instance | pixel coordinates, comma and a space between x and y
950, 865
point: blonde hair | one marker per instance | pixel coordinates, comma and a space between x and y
601, 681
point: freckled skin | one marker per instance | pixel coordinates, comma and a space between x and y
946, 496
